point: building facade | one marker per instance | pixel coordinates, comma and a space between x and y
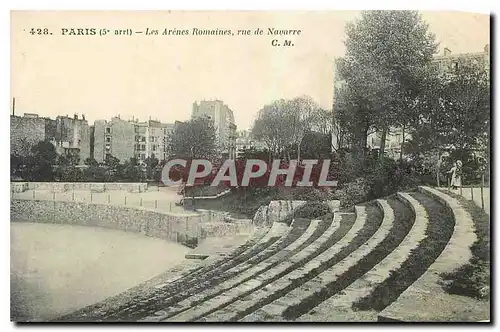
131, 139
70, 136
115, 137
152, 139
224, 124
244, 140
447, 62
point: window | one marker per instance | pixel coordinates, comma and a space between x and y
108, 130
108, 139
154, 147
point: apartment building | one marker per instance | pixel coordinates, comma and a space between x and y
152, 138
69, 135
115, 137
223, 119
127, 139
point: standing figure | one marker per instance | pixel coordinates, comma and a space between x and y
456, 172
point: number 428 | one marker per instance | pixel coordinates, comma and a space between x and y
39, 31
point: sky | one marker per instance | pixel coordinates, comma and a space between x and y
159, 77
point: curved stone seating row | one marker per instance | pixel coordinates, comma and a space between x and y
425, 300
179, 275
275, 310
304, 271
380, 272
285, 235
233, 301
241, 274
178, 289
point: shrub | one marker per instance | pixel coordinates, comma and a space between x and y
353, 193
303, 194
311, 210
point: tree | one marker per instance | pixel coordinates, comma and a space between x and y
465, 115
16, 165
111, 162
270, 129
387, 63
458, 120
131, 170
39, 164
91, 162
151, 164
194, 139
316, 145
282, 124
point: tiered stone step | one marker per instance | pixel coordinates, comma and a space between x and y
242, 272
425, 299
261, 238
207, 277
288, 305
320, 247
363, 286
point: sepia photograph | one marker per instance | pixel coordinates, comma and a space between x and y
196, 166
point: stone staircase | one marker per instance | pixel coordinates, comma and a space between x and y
381, 262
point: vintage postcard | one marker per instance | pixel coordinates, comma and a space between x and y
250, 166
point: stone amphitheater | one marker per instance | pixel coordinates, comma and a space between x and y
381, 262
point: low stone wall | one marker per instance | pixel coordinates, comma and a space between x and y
181, 228
221, 229
90, 186
18, 187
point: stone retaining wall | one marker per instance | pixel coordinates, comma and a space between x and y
90, 186
221, 229
181, 228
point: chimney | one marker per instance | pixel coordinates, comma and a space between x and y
83, 117
447, 51
75, 116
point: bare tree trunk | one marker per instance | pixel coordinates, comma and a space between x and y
360, 145
383, 139
402, 146
438, 169
298, 150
